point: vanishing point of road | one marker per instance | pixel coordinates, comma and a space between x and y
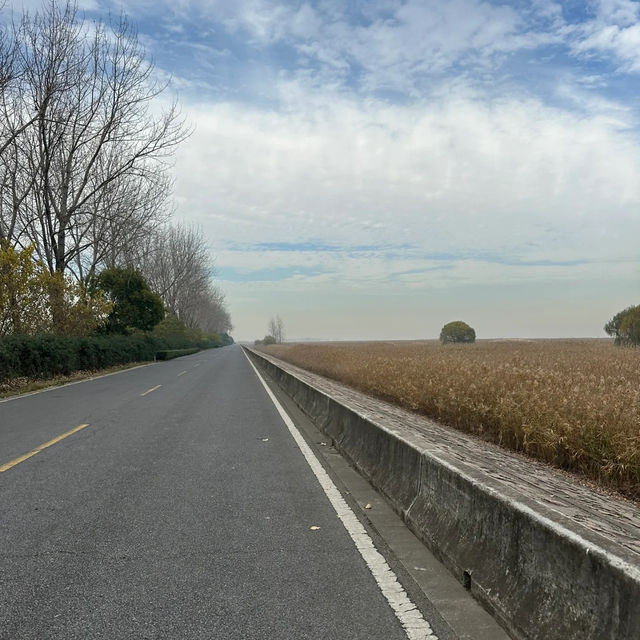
172, 501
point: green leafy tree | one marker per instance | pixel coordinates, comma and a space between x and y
135, 306
226, 339
82, 311
457, 331
23, 293
171, 326
625, 327
177, 332
28, 290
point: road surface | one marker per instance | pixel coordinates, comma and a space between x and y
172, 501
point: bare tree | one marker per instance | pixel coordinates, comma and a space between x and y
11, 125
84, 160
209, 312
121, 224
178, 267
7, 52
276, 328
24, 106
177, 264
95, 130
15, 119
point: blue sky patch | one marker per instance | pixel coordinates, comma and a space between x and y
273, 274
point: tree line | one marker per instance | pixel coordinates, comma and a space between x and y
85, 151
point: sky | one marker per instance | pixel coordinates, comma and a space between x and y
373, 169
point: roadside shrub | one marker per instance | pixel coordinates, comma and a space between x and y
38, 357
176, 335
9, 361
47, 356
457, 331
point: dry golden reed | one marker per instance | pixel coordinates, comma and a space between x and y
572, 403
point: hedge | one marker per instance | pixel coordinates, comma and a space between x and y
46, 356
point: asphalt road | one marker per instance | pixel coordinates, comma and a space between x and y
182, 513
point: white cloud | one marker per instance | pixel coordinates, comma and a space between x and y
392, 45
494, 194
403, 42
399, 46
482, 193
614, 32
621, 12
578, 93
621, 42
36, 5
548, 9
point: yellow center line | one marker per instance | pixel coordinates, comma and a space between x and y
181, 373
150, 390
26, 456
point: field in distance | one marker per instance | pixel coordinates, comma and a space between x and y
572, 403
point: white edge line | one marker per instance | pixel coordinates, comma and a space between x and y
412, 621
69, 384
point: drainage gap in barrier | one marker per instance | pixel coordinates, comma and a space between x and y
466, 580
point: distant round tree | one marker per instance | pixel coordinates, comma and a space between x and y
457, 331
625, 327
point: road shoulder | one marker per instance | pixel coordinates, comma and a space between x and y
449, 608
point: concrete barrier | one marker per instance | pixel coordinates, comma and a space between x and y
541, 579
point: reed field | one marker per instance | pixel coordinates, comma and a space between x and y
572, 403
